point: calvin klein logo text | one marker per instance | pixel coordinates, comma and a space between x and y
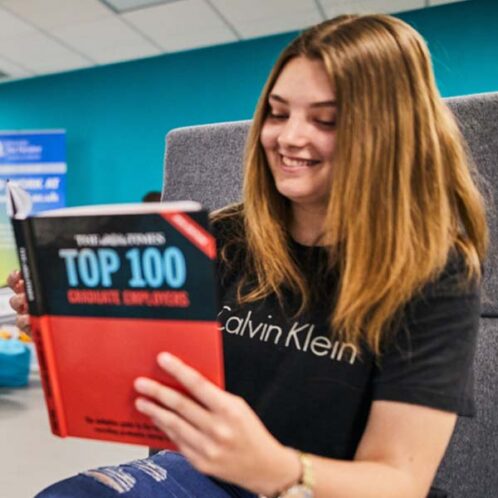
298, 336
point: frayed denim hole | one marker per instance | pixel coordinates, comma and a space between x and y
112, 477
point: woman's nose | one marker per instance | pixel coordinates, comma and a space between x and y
294, 133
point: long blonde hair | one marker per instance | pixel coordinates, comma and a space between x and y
402, 194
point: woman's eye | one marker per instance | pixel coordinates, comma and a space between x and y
276, 115
326, 123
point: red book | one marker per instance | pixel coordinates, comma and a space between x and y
108, 288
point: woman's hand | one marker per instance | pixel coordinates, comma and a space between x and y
217, 431
18, 302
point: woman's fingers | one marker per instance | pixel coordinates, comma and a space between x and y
198, 386
15, 281
19, 304
175, 401
13, 278
176, 428
22, 322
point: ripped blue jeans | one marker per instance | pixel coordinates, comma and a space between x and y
165, 474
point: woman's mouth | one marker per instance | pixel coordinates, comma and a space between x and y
296, 162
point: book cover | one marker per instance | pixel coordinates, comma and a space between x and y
108, 288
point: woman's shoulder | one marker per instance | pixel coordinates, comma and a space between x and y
454, 278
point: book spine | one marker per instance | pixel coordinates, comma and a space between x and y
40, 327
27, 260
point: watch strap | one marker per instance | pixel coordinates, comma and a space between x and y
307, 475
305, 482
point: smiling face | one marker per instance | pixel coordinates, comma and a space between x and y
298, 135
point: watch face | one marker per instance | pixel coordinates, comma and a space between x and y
298, 491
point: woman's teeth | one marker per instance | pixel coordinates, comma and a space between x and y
288, 161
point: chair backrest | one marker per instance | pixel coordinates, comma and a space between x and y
469, 468
204, 163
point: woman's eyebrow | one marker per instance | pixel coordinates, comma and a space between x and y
324, 103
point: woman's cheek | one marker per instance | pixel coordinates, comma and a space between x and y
268, 136
327, 145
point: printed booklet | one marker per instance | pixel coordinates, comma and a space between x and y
108, 288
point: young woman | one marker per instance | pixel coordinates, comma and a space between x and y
349, 280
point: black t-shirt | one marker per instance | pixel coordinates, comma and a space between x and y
314, 392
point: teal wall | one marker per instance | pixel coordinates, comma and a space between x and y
116, 116
463, 39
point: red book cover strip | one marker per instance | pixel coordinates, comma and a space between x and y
49, 374
192, 231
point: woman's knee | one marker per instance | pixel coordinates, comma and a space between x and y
137, 479
164, 474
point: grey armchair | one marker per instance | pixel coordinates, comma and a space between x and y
204, 163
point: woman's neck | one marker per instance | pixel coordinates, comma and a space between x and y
306, 226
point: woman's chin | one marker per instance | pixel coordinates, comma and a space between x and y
303, 199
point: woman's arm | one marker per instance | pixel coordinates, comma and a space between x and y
398, 455
221, 436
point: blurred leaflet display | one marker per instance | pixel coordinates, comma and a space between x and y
36, 160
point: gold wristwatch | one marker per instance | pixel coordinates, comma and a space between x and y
304, 487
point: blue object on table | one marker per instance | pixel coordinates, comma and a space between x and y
14, 363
